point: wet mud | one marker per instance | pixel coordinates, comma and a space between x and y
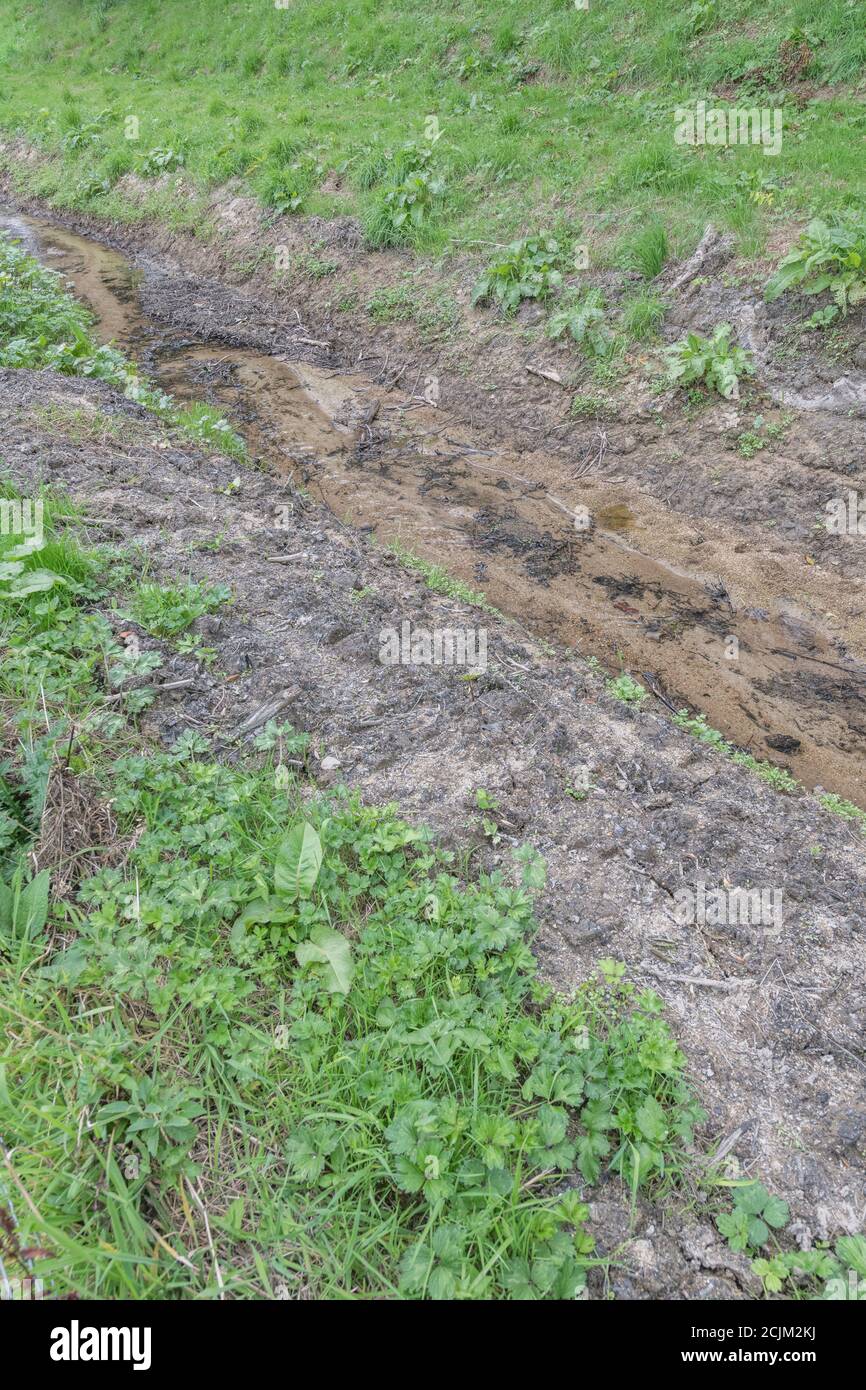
577, 559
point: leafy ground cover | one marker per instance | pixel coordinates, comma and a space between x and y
283, 1008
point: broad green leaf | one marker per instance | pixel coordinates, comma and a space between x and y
25, 549
32, 910
776, 1213
415, 1267
6, 898
732, 1228
331, 955
299, 860
552, 1124
67, 966
304, 1158
34, 582
517, 1279
650, 1119
261, 911
752, 1198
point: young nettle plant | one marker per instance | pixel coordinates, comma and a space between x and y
584, 321
716, 362
828, 256
528, 269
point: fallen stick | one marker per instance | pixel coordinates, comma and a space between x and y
692, 980
803, 656
157, 689
548, 375
264, 713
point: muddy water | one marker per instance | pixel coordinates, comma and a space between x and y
579, 563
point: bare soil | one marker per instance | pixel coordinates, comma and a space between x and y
630, 551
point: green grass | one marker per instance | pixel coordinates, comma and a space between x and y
588, 406
646, 251
643, 316
44, 328
282, 1045
547, 116
433, 310
776, 777
439, 580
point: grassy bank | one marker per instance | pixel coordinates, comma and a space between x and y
445, 130
42, 327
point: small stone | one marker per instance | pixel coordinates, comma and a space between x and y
330, 764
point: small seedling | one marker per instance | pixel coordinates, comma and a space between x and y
754, 1213
627, 690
